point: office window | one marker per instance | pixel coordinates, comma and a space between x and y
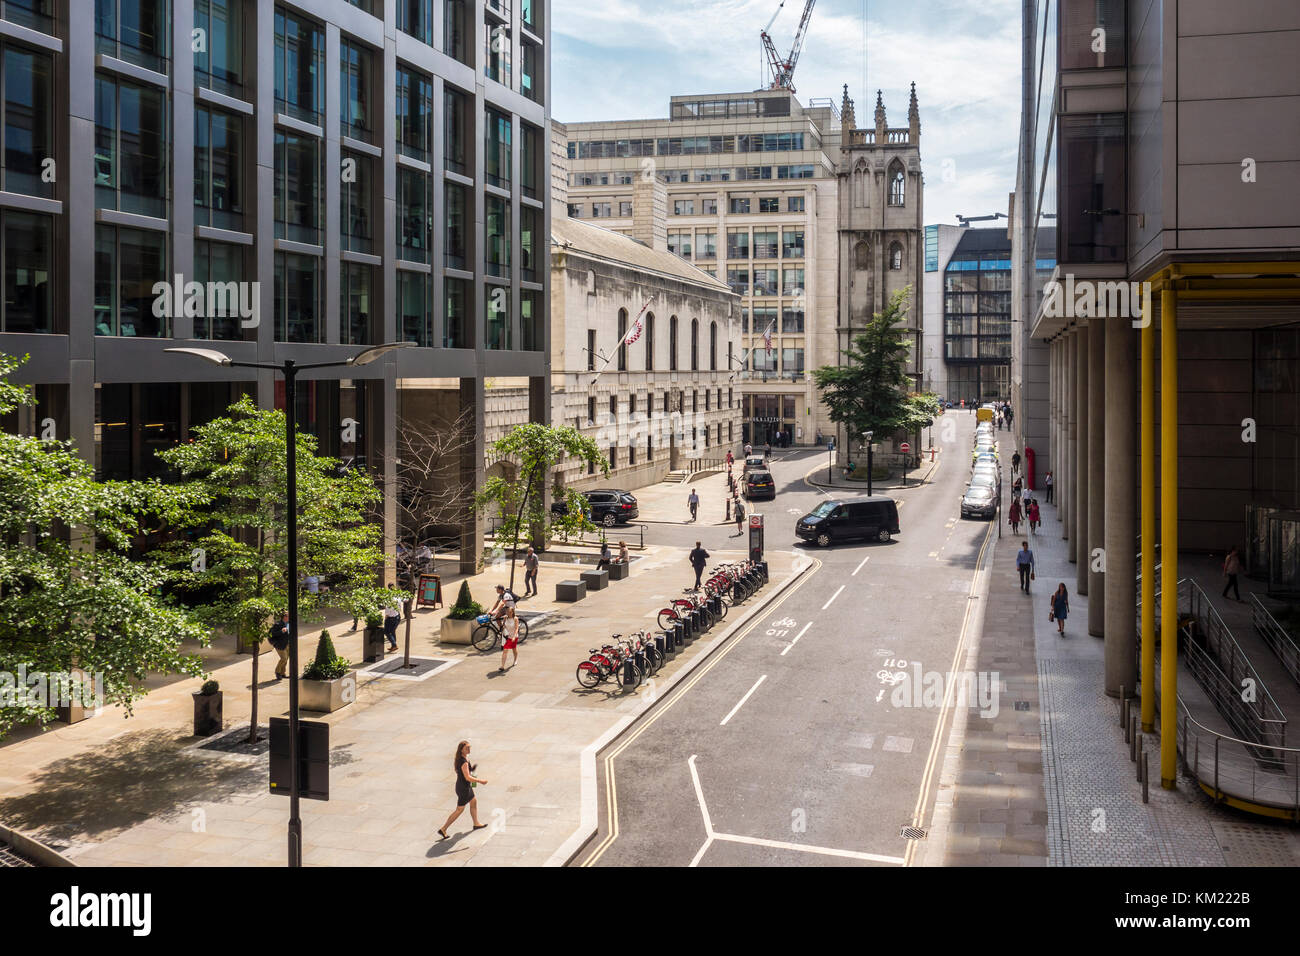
299, 196
713, 355
764, 319
299, 67
456, 130
695, 345
709, 207
218, 161
413, 303
895, 256
622, 334
794, 204
737, 243
679, 243
624, 209
131, 139
738, 279
792, 243
600, 210
356, 193
1092, 180
708, 400
706, 245
672, 344
357, 304
649, 341
683, 207
575, 210
132, 30
223, 263
414, 217
415, 18
1078, 21
456, 325
33, 14
769, 204
28, 121
496, 52
792, 281
454, 20
497, 236
298, 297
414, 113
739, 205
455, 251
792, 362
591, 367
530, 320
27, 262
498, 317
765, 281
219, 63
530, 160
765, 246
498, 141
897, 185
128, 263
530, 78
355, 71
531, 241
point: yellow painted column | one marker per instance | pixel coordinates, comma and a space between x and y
1147, 483
1168, 539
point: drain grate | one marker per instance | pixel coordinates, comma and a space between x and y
910, 832
1022, 705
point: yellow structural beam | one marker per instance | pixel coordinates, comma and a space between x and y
1203, 292
1147, 483
1168, 538
1235, 268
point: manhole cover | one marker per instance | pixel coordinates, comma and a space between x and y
1022, 705
912, 833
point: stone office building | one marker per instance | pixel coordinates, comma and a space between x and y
366, 171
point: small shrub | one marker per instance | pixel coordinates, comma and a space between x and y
374, 619
327, 665
465, 608
209, 688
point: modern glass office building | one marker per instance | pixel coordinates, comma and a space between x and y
352, 171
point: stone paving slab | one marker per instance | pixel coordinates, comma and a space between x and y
110, 791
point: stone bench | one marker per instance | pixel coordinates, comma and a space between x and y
570, 590
595, 580
618, 571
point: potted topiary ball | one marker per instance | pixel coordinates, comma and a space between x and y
207, 709
328, 682
458, 625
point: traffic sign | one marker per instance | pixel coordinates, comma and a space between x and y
905, 447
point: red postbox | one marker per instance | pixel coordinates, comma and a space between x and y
1029, 468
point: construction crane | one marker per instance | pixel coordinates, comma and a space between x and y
783, 70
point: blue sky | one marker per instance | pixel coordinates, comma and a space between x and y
623, 59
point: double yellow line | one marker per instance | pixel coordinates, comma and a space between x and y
936, 744
677, 693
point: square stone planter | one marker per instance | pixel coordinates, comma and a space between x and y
327, 696
617, 571
207, 714
456, 632
372, 644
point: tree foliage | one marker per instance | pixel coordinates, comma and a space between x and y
871, 390
68, 600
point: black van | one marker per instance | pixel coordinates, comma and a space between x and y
875, 518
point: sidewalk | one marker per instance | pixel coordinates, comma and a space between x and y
665, 502
1052, 783
141, 791
915, 477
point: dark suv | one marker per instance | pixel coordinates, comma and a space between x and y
759, 484
605, 506
875, 518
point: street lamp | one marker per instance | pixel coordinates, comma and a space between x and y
866, 437
290, 369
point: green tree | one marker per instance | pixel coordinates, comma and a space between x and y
533, 450
231, 554
68, 601
872, 391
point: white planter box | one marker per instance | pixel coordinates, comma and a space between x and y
456, 632
327, 696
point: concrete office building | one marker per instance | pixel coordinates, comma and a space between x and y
1168, 157
376, 169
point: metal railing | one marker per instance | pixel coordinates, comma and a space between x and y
1231, 767
596, 536
1277, 637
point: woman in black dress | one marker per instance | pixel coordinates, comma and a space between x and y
464, 790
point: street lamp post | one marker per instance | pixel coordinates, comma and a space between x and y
290, 369
867, 436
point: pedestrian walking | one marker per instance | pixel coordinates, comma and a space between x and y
531, 563
1016, 490
748, 450
1010, 416
1025, 565
280, 643
606, 556
693, 502
730, 458
739, 510
510, 631
699, 559
767, 449
1033, 514
1013, 516
1015, 463
1232, 568
465, 784
1060, 608
392, 615
1047, 484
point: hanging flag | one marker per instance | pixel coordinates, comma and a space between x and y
629, 337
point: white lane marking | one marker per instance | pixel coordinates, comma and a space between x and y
704, 811
859, 567
832, 598
796, 639
710, 835
742, 700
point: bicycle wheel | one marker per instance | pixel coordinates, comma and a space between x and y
485, 637
667, 619
722, 606
588, 674
523, 630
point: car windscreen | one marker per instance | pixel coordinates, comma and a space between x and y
824, 509
982, 492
